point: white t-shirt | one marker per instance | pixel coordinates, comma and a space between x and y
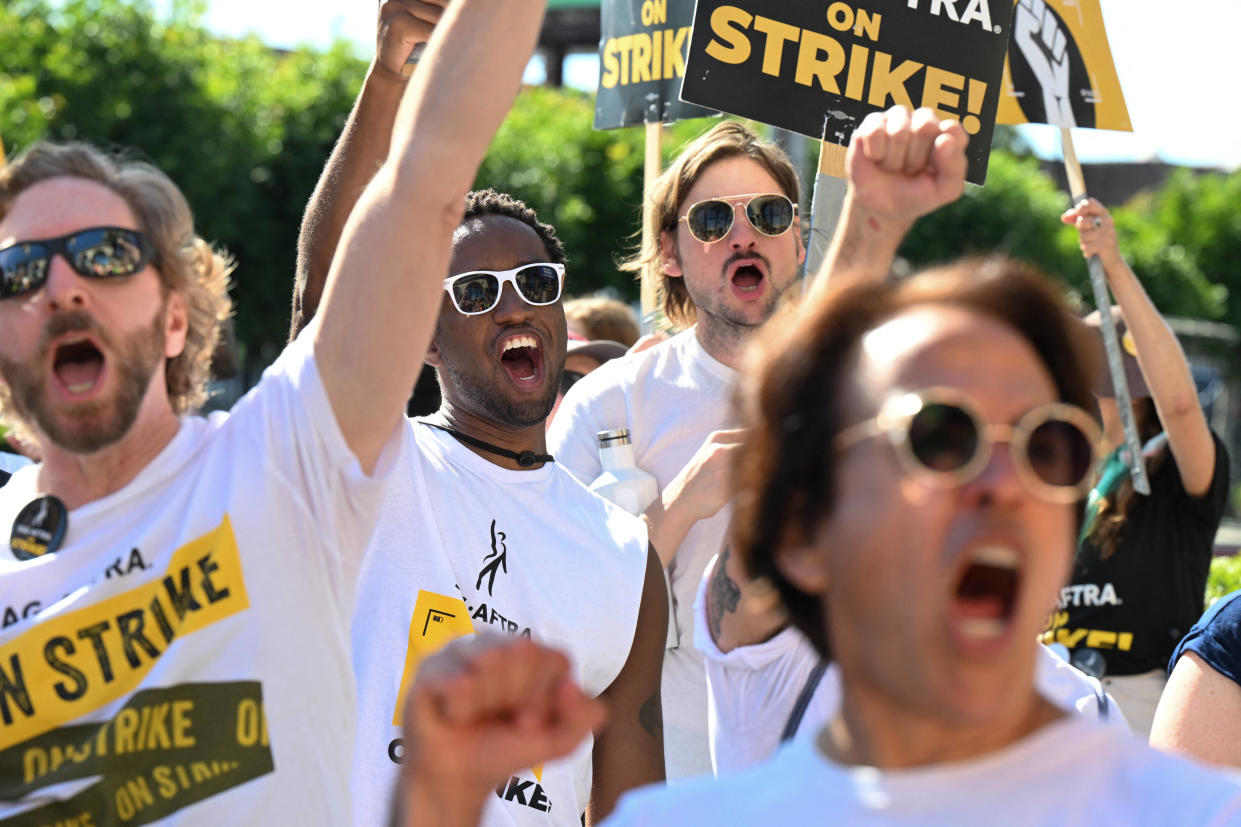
11, 463
464, 545
1070, 772
752, 691
184, 654
670, 397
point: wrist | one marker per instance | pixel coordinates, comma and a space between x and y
381, 75
426, 802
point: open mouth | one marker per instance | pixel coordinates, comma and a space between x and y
77, 364
747, 278
986, 594
522, 358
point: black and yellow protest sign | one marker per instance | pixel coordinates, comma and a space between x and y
1060, 69
819, 68
642, 59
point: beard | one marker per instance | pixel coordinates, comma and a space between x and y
494, 406
87, 427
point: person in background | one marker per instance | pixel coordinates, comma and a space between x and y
726, 248
598, 317
581, 357
1141, 567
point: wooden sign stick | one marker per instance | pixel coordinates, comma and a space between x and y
649, 288
1107, 326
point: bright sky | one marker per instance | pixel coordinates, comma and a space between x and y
1176, 61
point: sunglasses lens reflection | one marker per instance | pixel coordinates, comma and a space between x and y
538, 284
1059, 453
943, 437
710, 220
770, 214
475, 292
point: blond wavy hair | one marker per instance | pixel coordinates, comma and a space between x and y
728, 139
187, 265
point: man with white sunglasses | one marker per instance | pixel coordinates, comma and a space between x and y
481, 529
175, 591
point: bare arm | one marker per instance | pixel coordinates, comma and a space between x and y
360, 150
699, 491
382, 294
900, 166
1199, 714
1160, 356
740, 612
629, 752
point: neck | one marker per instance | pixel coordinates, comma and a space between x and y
78, 479
873, 732
509, 437
724, 341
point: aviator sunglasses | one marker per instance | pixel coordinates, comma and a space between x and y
478, 291
94, 253
768, 213
940, 438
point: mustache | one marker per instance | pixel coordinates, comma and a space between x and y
747, 256
70, 321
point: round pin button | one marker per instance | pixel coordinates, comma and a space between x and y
39, 528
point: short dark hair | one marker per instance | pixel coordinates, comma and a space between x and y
492, 202
793, 399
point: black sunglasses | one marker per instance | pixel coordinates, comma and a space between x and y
768, 213
479, 291
940, 437
94, 253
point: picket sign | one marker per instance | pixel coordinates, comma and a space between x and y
1107, 326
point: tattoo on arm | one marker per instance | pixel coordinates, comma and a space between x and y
723, 595
651, 717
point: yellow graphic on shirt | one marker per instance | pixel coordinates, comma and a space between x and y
437, 621
1057, 632
71, 665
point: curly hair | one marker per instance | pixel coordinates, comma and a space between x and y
729, 139
186, 264
491, 202
794, 395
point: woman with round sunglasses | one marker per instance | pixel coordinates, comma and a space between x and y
1140, 571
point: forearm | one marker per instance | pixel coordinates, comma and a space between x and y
668, 523
1159, 353
374, 331
358, 154
862, 249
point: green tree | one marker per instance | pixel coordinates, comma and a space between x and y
242, 129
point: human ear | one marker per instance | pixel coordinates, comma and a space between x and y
668, 261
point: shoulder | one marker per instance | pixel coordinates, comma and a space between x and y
1216, 638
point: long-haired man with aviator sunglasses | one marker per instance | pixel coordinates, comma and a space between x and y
481, 529
725, 246
175, 591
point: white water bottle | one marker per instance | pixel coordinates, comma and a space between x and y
628, 486
622, 481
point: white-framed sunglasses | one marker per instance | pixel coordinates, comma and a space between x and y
478, 291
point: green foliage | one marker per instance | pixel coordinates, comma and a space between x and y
243, 130
1225, 577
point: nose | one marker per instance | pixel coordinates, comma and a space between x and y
64, 289
998, 484
511, 307
742, 235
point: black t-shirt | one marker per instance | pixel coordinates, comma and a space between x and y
1135, 606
